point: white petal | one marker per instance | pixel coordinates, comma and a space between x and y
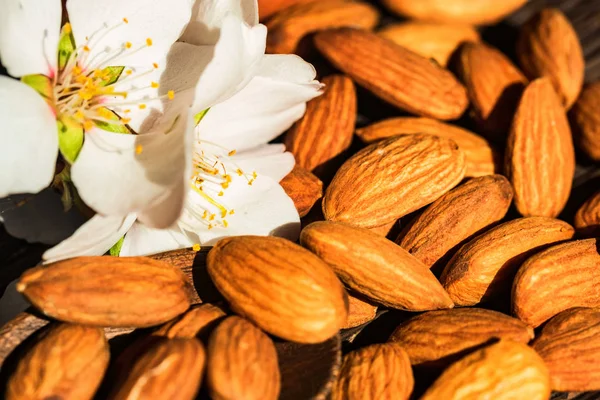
102, 23
261, 209
117, 174
29, 139
29, 33
94, 238
39, 218
269, 160
266, 107
142, 241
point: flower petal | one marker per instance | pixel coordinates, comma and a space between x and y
142, 241
29, 34
269, 159
94, 238
29, 139
109, 24
117, 174
266, 107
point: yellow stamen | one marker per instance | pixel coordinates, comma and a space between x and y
138, 149
171, 94
231, 153
142, 106
125, 20
67, 28
88, 125
86, 48
155, 65
154, 85
128, 45
196, 247
148, 42
225, 224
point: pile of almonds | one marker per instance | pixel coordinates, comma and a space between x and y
461, 231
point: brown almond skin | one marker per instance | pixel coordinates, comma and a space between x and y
327, 127
455, 217
569, 344
192, 322
376, 372
393, 73
375, 267
281, 287
587, 218
289, 26
169, 369
392, 178
266, 8
68, 362
476, 12
148, 292
303, 188
556, 279
454, 333
548, 46
494, 85
484, 267
359, 312
430, 40
540, 158
586, 121
242, 363
502, 371
481, 157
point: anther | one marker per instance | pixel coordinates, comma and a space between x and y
148, 42
138, 149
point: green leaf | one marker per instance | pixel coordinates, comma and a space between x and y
116, 249
111, 75
40, 83
70, 138
66, 46
117, 127
198, 117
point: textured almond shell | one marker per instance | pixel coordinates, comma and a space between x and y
169, 369
267, 8
484, 267
430, 40
440, 337
570, 346
375, 267
359, 312
503, 371
289, 26
327, 127
192, 322
392, 178
586, 121
455, 11
480, 157
393, 73
376, 372
281, 287
303, 188
587, 218
540, 158
456, 217
494, 86
68, 362
548, 46
561, 277
111, 291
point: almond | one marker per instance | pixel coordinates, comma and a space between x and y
281, 287
540, 159
148, 292
375, 267
169, 369
548, 46
392, 178
359, 312
303, 188
502, 371
68, 362
192, 322
484, 267
561, 277
454, 333
266, 8
376, 372
570, 346
289, 26
494, 86
397, 75
430, 40
481, 158
587, 218
455, 217
586, 121
242, 363
327, 127
458, 11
